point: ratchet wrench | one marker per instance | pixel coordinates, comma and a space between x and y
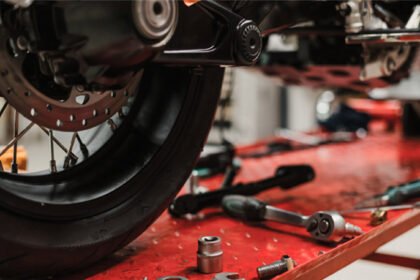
325, 226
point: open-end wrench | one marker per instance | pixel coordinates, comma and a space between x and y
286, 177
323, 226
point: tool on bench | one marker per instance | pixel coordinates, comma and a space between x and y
231, 173
378, 217
323, 226
210, 254
279, 267
271, 148
395, 195
215, 159
228, 276
286, 177
384, 208
317, 140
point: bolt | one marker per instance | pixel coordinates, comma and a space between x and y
22, 43
279, 267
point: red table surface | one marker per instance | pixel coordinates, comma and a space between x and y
346, 173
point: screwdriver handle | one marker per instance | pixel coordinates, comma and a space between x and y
404, 192
286, 177
244, 208
251, 209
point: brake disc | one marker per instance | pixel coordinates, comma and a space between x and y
80, 110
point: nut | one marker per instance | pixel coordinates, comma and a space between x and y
378, 217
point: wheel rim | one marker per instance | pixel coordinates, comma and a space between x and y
52, 196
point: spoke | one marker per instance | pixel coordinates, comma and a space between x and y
82, 145
16, 139
15, 167
59, 144
112, 124
3, 108
68, 161
52, 161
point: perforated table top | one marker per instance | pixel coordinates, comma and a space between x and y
346, 174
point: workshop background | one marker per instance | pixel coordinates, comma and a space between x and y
255, 107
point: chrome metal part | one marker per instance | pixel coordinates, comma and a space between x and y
378, 217
15, 167
20, 3
414, 21
323, 226
409, 34
383, 208
279, 267
228, 276
68, 159
210, 254
354, 21
53, 164
194, 184
360, 16
283, 216
385, 63
156, 20
331, 226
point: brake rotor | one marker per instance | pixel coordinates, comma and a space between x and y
80, 110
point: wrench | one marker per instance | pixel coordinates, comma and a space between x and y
323, 226
286, 177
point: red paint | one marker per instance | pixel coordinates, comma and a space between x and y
346, 173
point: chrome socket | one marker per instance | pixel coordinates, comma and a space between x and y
210, 254
156, 20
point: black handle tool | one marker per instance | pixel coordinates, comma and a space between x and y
286, 177
325, 226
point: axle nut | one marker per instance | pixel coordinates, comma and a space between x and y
210, 254
156, 20
249, 42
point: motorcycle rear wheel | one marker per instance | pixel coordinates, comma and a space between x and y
53, 224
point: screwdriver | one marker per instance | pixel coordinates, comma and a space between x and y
395, 195
382, 208
285, 177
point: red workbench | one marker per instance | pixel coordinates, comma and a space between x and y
346, 173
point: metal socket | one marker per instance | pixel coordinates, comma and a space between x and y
210, 254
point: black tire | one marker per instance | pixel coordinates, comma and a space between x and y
98, 207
